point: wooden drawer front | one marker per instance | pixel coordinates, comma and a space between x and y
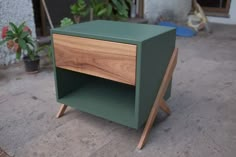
110, 60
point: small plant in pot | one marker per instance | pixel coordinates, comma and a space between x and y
79, 9
19, 39
66, 22
100, 9
110, 9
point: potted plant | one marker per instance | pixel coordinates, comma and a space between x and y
120, 9
66, 22
19, 39
100, 9
79, 9
110, 9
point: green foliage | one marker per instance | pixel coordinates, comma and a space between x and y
18, 55
66, 22
100, 9
20, 40
120, 8
79, 8
111, 9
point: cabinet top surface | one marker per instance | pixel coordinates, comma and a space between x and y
111, 30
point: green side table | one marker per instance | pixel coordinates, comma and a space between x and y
114, 70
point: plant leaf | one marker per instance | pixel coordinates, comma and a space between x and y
22, 43
109, 9
114, 2
13, 27
125, 6
18, 55
117, 4
10, 33
102, 12
24, 34
21, 27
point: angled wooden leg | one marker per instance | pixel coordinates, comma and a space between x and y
61, 111
148, 125
159, 98
164, 107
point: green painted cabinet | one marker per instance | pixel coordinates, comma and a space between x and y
111, 69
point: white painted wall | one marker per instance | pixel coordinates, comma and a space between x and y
15, 11
232, 15
176, 10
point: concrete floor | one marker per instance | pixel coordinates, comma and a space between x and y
202, 123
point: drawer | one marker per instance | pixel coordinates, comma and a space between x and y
106, 59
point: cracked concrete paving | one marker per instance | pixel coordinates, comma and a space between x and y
202, 123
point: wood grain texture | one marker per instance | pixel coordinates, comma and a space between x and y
159, 98
61, 111
110, 60
164, 107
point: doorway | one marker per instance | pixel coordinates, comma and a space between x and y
215, 6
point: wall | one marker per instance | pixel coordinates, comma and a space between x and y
176, 10
15, 11
232, 15
59, 10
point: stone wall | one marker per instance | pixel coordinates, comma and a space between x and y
15, 11
175, 10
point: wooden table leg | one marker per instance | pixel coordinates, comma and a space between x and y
159, 99
61, 111
148, 125
164, 107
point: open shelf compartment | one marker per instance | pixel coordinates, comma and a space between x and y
101, 97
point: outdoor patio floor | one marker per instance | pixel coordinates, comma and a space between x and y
202, 123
